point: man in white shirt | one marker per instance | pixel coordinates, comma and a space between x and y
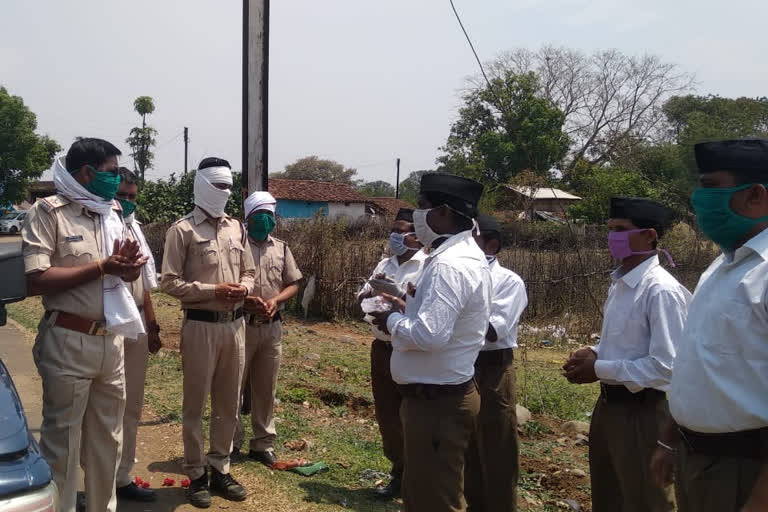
402, 268
493, 468
643, 318
719, 392
436, 337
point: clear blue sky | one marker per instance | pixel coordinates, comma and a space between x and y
358, 81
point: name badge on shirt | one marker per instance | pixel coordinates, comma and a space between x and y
74, 238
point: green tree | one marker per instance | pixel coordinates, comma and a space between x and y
143, 138
505, 129
24, 154
377, 189
316, 169
597, 184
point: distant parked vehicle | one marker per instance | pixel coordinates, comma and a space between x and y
10, 223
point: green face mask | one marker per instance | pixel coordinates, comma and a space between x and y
104, 184
716, 218
128, 207
260, 226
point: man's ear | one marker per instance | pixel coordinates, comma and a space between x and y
653, 236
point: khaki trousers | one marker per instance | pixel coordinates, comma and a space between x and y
493, 466
136, 357
437, 432
622, 439
83, 403
263, 351
386, 402
714, 484
212, 358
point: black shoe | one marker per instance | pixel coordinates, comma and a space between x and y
267, 457
199, 493
391, 491
80, 502
133, 492
236, 457
227, 486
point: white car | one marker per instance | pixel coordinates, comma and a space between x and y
10, 223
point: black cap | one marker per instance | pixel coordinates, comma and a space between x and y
405, 214
640, 208
742, 157
212, 161
458, 192
488, 224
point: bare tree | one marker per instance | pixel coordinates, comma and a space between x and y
611, 101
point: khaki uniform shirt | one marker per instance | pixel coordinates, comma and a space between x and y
136, 287
199, 254
61, 233
275, 267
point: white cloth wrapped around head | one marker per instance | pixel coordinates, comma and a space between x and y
259, 200
211, 199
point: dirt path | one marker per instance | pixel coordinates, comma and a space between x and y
159, 446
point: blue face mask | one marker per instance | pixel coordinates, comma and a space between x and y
716, 218
397, 243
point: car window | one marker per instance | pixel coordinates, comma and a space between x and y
22, 216
9, 216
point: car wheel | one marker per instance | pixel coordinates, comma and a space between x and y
14, 230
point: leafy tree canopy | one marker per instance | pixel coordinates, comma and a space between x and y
24, 154
317, 169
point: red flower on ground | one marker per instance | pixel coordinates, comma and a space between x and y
169, 482
138, 481
145, 485
185, 482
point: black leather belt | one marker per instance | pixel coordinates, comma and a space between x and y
432, 391
254, 319
748, 444
613, 394
214, 317
499, 357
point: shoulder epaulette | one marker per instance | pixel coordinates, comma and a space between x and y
50, 203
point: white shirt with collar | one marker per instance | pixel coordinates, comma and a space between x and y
438, 338
509, 302
643, 319
720, 383
403, 274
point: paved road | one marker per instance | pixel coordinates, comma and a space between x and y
6, 239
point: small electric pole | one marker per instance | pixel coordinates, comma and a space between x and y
186, 149
397, 181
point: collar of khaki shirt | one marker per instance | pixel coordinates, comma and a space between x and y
634, 276
199, 216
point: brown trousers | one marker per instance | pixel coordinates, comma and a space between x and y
386, 401
622, 439
437, 431
493, 466
263, 352
706, 483
212, 359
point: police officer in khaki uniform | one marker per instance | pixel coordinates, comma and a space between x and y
207, 266
76, 258
276, 283
136, 354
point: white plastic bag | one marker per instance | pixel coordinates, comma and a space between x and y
375, 305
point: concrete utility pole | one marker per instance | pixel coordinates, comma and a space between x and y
186, 149
397, 181
255, 94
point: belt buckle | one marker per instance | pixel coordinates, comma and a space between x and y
97, 329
